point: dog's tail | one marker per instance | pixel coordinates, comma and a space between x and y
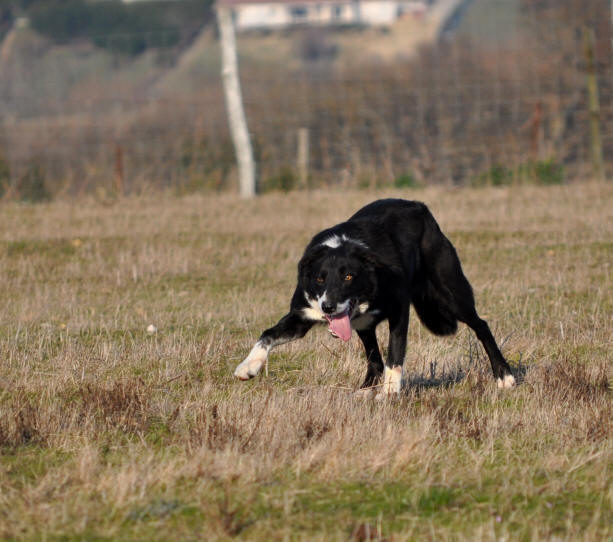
444, 290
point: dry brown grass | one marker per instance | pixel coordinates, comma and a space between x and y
109, 432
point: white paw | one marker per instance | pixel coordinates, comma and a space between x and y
392, 383
252, 364
505, 383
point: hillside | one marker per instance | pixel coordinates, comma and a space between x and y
503, 100
76, 71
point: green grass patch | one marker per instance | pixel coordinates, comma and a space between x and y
110, 432
543, 172
28, 464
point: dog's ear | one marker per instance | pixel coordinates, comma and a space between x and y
310, 256
367, 256
373, 261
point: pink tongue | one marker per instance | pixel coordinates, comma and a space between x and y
340, 326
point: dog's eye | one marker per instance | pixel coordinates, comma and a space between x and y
348, 277
320, 280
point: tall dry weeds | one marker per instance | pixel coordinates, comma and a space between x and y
108, 430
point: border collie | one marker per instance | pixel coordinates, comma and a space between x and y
370, 268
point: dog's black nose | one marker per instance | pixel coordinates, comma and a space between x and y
327, 307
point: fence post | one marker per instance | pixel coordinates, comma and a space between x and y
234, 103
119, 187
303, 156
592, 90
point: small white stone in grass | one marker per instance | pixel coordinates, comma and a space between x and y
151, 329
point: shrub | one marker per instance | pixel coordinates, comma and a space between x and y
5, 176
122, 28
203, 165
543, 172
285, 180
316, 46
497, 175
548, 172
406, 180
32, 186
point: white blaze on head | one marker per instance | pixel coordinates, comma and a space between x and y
335, 241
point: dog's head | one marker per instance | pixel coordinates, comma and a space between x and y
337, 279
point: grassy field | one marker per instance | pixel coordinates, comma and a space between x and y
108, 431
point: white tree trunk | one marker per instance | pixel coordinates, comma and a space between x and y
234, 104
303, 156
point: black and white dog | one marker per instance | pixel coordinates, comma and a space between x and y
354, 275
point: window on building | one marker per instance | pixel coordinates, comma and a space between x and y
298, 13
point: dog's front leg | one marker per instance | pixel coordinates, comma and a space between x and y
291, 327
373, 357
392, 373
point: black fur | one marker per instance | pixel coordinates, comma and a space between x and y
396, 255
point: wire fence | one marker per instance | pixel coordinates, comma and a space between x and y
480, 106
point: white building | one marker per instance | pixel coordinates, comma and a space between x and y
262, 14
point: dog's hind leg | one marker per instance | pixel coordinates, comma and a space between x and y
451, 296
373, 357
291, 327
459, 301
500, 368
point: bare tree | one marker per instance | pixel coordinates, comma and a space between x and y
234, 103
